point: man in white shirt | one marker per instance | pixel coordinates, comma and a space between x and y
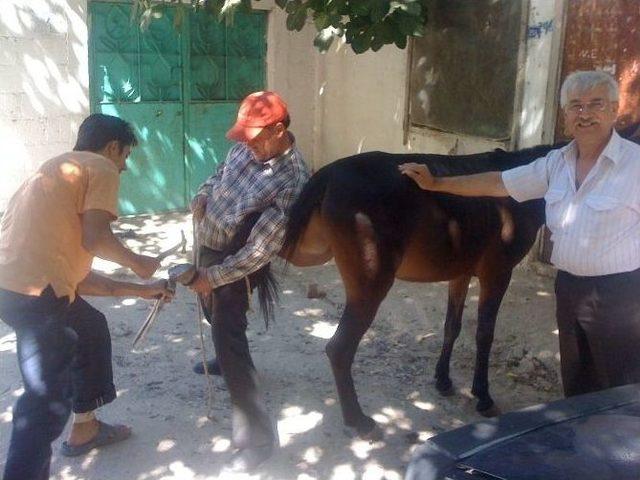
593, 211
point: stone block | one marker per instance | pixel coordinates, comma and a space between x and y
10, 80
10, 105
32, 106
32, 131
54, 48
8, 54
58, 129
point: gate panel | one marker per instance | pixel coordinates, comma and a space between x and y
226, 63
207, 146
246, 42
154, 180
180, 89
137, 75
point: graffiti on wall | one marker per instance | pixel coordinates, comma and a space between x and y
540, 29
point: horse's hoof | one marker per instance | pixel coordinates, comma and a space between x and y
374, 435
368, 430
492, 411
447, 392
349, 432
445, 389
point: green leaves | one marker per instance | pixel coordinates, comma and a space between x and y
364, 24
297, 17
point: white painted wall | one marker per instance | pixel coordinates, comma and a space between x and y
43, 83
292, 65
361, 99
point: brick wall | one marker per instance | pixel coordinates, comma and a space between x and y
43, 84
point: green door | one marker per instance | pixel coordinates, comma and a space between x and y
225, 64
179, 88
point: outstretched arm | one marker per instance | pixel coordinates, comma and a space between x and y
99, 240
487, 184
95, 284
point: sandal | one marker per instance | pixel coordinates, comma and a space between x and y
107, 434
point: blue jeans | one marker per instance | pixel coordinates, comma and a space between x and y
46, 348
64, 354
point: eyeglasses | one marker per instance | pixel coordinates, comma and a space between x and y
590, 107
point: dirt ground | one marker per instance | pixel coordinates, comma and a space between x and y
166, 404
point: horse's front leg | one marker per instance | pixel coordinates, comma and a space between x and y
492, 290
458, 289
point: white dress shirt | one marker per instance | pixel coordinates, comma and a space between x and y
595, 228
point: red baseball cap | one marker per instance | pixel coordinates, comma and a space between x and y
257, 110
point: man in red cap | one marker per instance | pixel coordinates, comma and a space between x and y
262, 175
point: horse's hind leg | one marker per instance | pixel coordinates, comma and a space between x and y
492, 290
367, 277
458, 289
341, 350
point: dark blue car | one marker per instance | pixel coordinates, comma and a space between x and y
588, 437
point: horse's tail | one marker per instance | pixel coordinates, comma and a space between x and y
300, 213
267, 286
263, 279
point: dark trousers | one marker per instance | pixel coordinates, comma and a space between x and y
599, 330
64, 355
226, 312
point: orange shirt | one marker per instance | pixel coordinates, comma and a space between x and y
41, 230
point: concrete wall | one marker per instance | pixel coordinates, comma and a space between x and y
292, 66
43, 83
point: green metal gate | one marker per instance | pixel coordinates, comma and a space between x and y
179, 88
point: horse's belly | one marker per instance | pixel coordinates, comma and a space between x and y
313, 247
421, 270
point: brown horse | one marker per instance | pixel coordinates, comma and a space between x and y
378, 225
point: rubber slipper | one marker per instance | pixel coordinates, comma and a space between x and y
107, 434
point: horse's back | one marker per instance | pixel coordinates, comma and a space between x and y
432, 236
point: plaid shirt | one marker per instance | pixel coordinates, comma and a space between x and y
242, 186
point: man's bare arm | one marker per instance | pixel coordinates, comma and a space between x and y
98, 285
